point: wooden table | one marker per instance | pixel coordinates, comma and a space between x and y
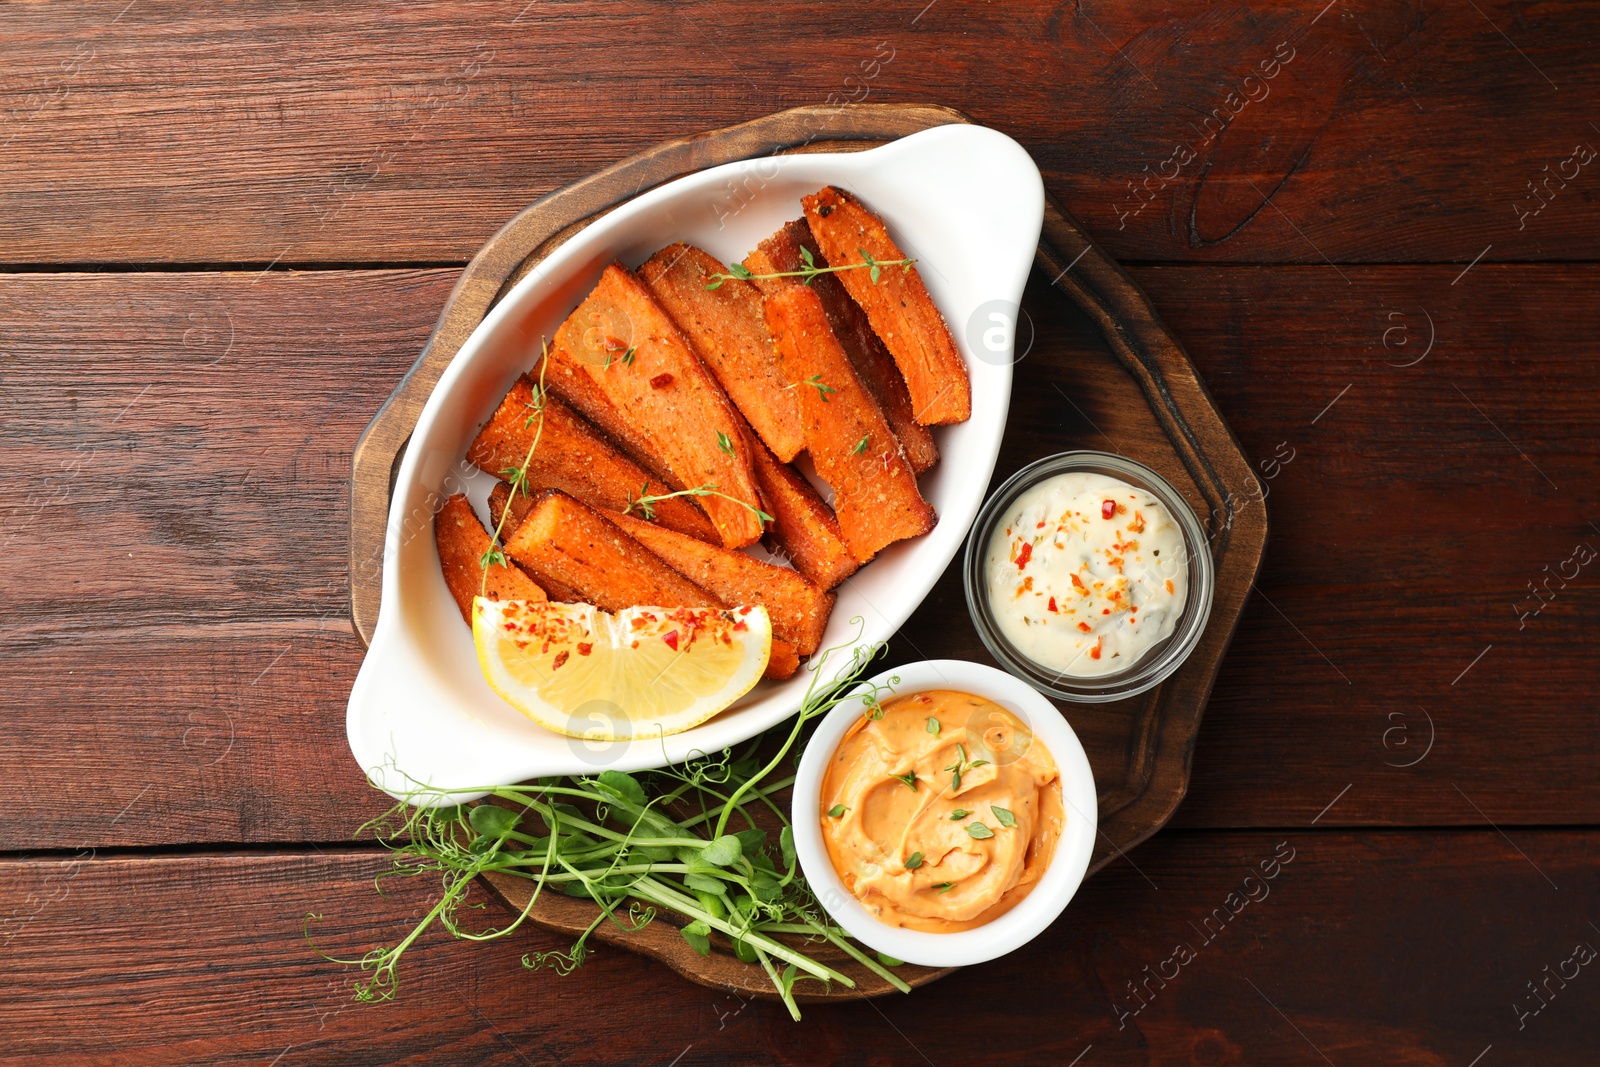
225, 234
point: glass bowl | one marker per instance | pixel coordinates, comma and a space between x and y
1161, 659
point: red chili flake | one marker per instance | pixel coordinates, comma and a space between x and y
1169, 585
1039, 526
661, 381
1108, 509
1053, 605
585, 647
741, 626
745, 610
635, 644
1094, 653
1078, 585
1024, 554
1084, 627
561, 658
1105, 611
671, 639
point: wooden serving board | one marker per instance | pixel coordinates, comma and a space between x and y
1096, 369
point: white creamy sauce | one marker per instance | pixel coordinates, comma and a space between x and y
1079, 592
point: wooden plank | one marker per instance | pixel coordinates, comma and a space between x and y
179, 635
200, 959
1409, 524
189, 435
306, 134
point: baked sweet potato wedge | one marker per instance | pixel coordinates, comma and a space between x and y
573, 544
462, 541
897, 304
499, 497
729, 333
799, 608
573, 456
621, 361
874, 365
804, 529
875, 492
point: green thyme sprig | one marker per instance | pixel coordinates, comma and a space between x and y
810, 271
616, 839
816, 382
645, 503
961, 766
626, 357
517, 477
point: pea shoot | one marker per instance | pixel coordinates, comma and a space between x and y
636, 845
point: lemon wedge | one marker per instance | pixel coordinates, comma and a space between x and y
640, 673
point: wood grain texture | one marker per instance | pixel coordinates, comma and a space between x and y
201, 960
409, 132
186, 632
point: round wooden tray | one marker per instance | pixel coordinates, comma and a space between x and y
1096, 369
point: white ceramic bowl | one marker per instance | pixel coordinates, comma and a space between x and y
1061, 879
965, 201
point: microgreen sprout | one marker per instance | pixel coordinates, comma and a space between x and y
683, 840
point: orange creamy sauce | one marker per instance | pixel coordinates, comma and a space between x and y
973, 837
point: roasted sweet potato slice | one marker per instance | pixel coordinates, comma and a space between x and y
573, 456
499, 497
874, 488
874, 365
462, 541
621, 361
798, 606
729, 333
804, 529
568, 541
783, 661
897, 304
